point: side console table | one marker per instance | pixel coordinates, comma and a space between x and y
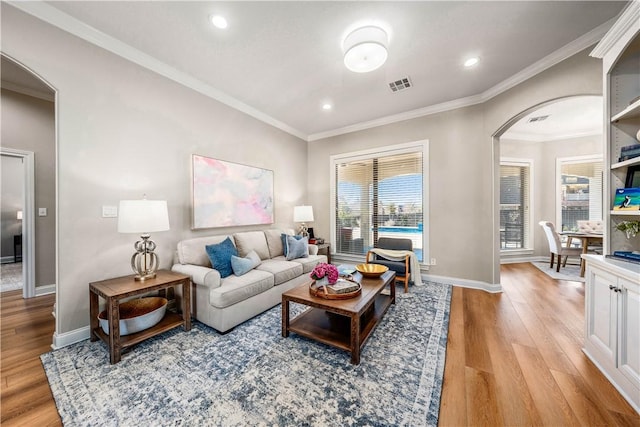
113, 290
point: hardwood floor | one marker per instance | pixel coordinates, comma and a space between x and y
513, 359
27, 328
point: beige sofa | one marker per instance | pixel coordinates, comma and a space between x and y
223, 303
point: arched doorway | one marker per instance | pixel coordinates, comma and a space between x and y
28, 134
528, 150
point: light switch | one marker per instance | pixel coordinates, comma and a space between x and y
109, 212
42, 211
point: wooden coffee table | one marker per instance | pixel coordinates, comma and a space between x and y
344, 324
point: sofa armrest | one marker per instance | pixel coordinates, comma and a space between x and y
313, 249
204, 276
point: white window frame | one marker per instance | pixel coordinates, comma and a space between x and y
560, 161
389, 150
514, 161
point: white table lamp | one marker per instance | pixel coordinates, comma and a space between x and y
143, 217
303, 214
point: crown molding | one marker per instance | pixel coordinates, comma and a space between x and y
628, 18
420, 112
79, 29
565, 52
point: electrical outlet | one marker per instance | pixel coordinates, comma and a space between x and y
42, 211
433, 261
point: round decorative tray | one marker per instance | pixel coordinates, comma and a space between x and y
321, 291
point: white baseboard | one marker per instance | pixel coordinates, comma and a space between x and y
45, 290
464, 283
71, 337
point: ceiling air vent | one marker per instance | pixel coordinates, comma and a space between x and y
401, 84
537, 119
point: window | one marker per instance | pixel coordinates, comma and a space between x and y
580, 191
379, 194
515, 204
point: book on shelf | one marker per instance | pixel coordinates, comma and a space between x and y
627, 199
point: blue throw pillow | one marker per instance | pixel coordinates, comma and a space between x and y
220, 255
297, 248
244, 265
284, 241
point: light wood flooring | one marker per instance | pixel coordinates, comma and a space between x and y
512, 359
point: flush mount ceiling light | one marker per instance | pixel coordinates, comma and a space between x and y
365, 49
326, 107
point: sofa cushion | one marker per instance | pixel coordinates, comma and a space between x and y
242, 266
238, 288
281, 270
252, 240
274, 241
220, 255
296, 248
309, 262
192, 251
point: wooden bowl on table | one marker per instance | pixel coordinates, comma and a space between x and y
372, 270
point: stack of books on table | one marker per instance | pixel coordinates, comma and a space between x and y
342, 286
629, 152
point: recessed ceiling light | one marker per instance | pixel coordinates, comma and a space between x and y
327, 107
471, 61
218, 21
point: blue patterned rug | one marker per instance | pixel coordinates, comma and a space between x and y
253, 376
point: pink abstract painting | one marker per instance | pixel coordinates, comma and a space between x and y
229, 194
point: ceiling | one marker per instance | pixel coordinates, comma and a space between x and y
281, 61
566, 118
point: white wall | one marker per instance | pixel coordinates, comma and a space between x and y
124, 131
463, 238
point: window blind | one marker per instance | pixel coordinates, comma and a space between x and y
376, 196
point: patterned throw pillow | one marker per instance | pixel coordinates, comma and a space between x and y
244, 265
220, 255
296, 248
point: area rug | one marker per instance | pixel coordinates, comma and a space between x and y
570, 272
253, 376
10, 276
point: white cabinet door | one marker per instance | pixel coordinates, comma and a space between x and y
602, 312
629, 331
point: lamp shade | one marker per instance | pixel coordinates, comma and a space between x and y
143, 216
19, 215
303, 214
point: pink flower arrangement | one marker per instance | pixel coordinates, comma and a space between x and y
323, 269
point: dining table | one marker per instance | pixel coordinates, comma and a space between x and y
586, 239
